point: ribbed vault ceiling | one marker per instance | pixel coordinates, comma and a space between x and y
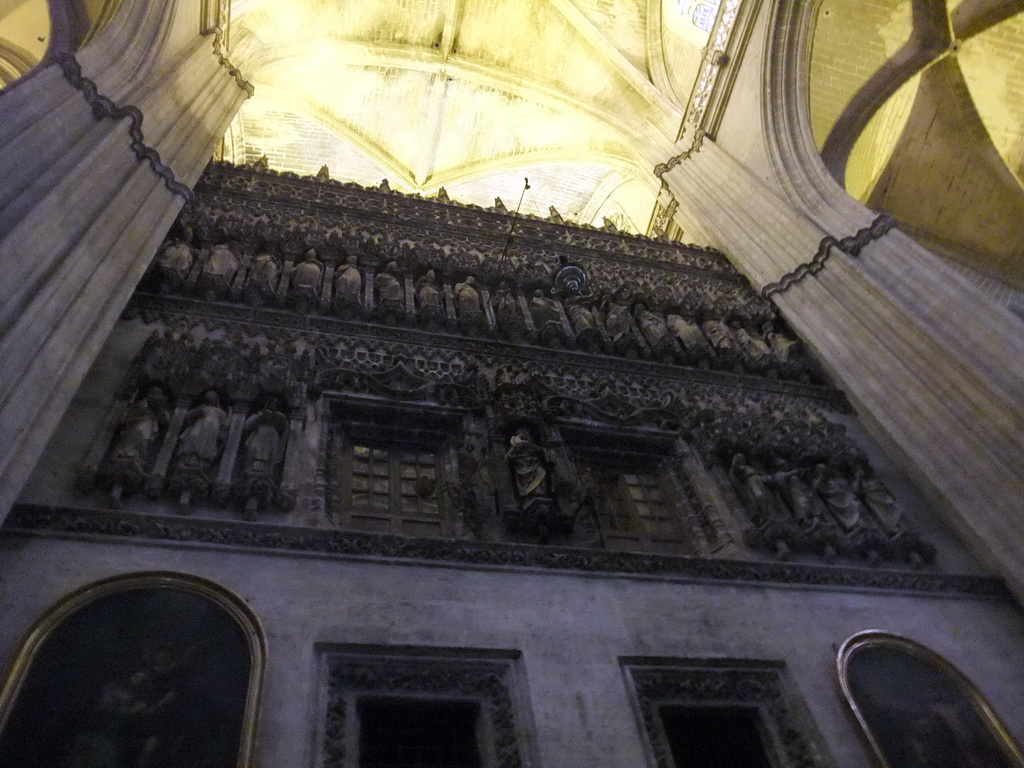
918, 107
581, 96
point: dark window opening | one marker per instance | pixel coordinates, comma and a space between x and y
714, 737
411, 733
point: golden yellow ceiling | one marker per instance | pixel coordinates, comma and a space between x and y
581, 96
918, 107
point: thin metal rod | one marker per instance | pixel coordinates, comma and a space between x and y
508, 240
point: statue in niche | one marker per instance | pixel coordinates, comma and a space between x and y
538, 511
694, 345
619, 324
787, 357
305, 288
428, 301
174, 263
840, 497
813, 532
467, 304
507, 314
720, 336
753, 490
199, 447
547, 319
261, 284
136, 439
581, 316
754, 350
263, 451
347, 294
879, 500
654, 331
218, 272
390, 294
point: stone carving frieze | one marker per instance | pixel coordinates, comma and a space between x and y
34, 519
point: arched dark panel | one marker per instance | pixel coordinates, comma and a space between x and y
150, 670
917, 710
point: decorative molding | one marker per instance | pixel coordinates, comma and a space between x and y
748, 684
235, 72
104, 107
662, 168
852, 246
485, 681
29, 519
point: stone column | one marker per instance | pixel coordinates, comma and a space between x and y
934, 368
97, 155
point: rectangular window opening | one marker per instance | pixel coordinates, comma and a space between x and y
416, 733
714, 737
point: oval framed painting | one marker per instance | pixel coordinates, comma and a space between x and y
917, 710
145, 670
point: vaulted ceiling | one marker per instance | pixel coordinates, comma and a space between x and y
918, 107
579, 96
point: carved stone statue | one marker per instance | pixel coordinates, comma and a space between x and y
753, 349
753, 490
584, 324
840, 498
199, 447
429, 306
720, 336
261, 284
390, 294
305, 288
538, 511
879, 500
467, 304
654, 331
347, 295
547, 319
174, 263
218, 272
507, 315
128, 459
263, 442
619, 323
694, 344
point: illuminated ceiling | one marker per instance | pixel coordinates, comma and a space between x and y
918, 107
581, 96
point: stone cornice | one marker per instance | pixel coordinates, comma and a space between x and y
104, 107
38, 520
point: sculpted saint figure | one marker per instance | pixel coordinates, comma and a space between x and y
306, 281
219, 271
261, 285
262, 437
428, 300
754, 350
694, 343
175, 262
583, 323
619, 323
390, 294
879, 500
347, 297
753, 487
506, 312
546, 319
467, 303
840, 498
526, 459
200, 441
140, 426
720, 336
653, 329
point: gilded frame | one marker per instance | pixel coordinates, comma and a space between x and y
74, 601
874, 638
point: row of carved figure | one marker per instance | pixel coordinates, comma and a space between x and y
196, 450
824, 510
611, 324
